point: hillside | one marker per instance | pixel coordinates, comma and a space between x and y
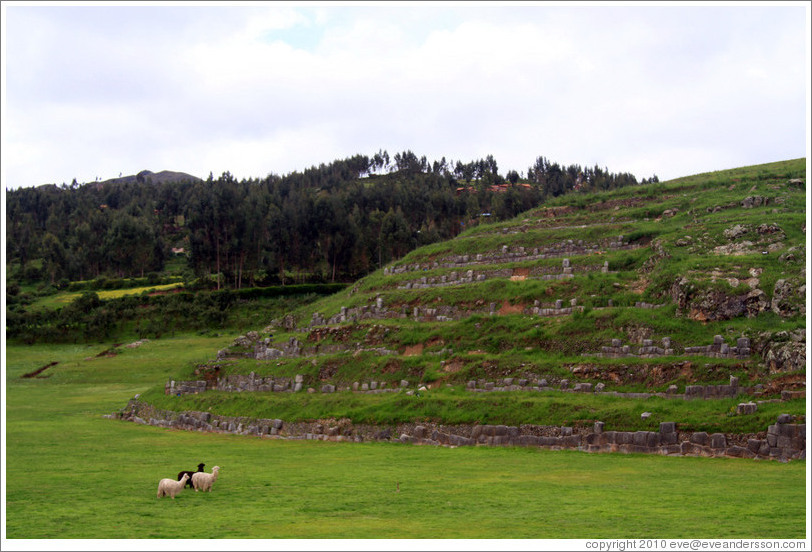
335, 222
595, 303
161, 177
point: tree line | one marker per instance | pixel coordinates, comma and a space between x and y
329, 223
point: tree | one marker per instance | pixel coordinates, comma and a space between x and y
395, 235
54, 259
131, 247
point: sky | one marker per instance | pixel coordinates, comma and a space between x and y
95, 90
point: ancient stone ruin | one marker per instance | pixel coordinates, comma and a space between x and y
718, 349
568, 248
783, 440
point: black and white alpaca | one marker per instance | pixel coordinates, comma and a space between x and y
190, 474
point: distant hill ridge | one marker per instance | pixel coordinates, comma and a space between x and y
157, 178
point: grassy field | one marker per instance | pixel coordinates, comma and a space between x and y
62, 299
72, 474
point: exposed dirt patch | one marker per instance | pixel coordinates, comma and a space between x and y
107, 353
552, 212
328, 371
413, 350
790, 382
434, 342
453, 366
507, 308
210, 374
38, 371
640, 285
391, 367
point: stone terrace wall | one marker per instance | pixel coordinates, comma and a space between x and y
255, 383
782, 440
470, 276
718, 349
506, 255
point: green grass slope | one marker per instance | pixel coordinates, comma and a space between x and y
539, 297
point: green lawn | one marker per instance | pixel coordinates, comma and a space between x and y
72, 474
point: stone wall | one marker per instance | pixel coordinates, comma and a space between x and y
470, 276
179, 388
254, 383
718, 349
505, 254
542, 384
783, 440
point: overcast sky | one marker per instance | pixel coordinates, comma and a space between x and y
668, 89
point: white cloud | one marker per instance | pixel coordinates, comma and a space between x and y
276, 88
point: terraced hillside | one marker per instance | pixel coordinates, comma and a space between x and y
608, 310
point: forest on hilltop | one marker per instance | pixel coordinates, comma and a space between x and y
330, 223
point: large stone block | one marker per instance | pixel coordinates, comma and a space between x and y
784, 442
640, 438
528, 440
572, 441
784, 419
668, 427
746, 408
786, 430
688, 448
699, 438
694, 391
668, 438
624, 437
718, 441
739, 452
